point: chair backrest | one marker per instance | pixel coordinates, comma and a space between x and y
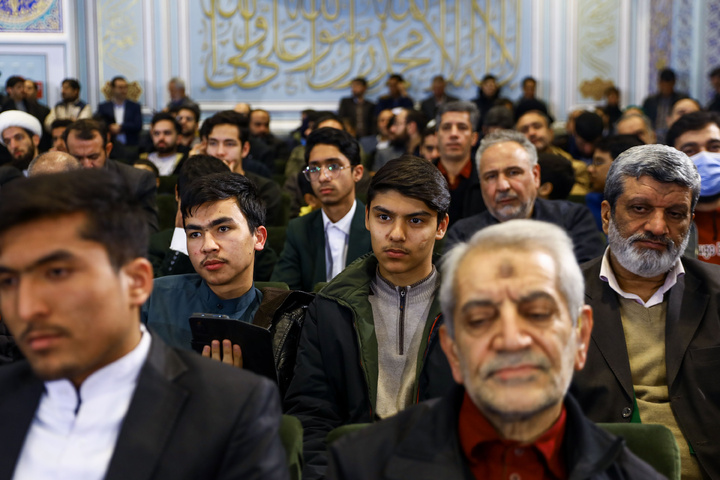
291, 436
655, 444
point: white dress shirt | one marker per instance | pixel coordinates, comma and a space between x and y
179, 241
73, 433
607, 275
119, 111
336, 242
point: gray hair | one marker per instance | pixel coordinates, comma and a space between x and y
53, 162
179, 82
502, 136
459, 106
527, 235
660, 162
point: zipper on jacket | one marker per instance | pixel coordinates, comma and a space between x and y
401, 329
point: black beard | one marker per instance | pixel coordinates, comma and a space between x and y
23, 162
166, 150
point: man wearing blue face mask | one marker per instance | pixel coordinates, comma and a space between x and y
698, 135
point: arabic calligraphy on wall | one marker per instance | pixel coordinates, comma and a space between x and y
310, 48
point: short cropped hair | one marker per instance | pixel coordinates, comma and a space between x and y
85, 130
417, 117
589, 126
498, 116
14, 80
149, 164
521, 234
413, 177
117, 79
502, 136
667, 75
559, 172
459, 106
192, 108
396, 76
72, 82
198, 166
216, 187
227, 117
340, 139
113, 215
361, 80
690, 122
60, 122
661, 163
617, 144
160, 116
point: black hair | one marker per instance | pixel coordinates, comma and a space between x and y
113, 215
227, 117
149, 164
160, 116
689, 122
589, 126
667, 75
60, 122
344, 142
412, 177
610, 90
417, 117
396, 76
74, 84
499, 116
360, 80
116, 79
215, 187
715, 72
428, 132
196, 167
617, 144
528, 79
193, 108
326, 116
488, 76
85, 130
559, 172
14, 80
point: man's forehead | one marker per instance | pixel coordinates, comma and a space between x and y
210, 211
532, 117
12, 131
455, 117
710, 131
163, 125
648, 185
225, 130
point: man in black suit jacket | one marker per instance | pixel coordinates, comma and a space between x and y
359, 110
430, 105
125, 130
655, 347
73, 281
85, 140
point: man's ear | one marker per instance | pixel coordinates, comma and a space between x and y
245, 149
442, 227
583, 330
108, 149
536, 174
357, 172
449, 347
545, 190
260, 237
139, 275
474, 139
36, 140
605, 215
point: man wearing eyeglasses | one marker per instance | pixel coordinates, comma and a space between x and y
320, 244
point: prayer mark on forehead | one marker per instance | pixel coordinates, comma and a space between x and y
506, 269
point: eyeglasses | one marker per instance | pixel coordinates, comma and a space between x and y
332, 170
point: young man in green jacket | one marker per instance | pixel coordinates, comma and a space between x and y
369, 345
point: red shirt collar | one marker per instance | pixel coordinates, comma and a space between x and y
464, 173
487, 451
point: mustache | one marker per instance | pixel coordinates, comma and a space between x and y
647, 236
500, 196
34, 329
514, 359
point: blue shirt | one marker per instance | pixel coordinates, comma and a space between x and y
176, 297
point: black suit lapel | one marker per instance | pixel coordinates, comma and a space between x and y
155, 407
317, 244
357, 245
686, 308
17, 409
607, 334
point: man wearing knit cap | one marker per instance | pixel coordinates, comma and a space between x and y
20, 133
369, 347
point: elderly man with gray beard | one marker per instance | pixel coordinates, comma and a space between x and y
655, 348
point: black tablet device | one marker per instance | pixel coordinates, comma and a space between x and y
255, 342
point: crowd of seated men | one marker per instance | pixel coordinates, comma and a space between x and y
478, 284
